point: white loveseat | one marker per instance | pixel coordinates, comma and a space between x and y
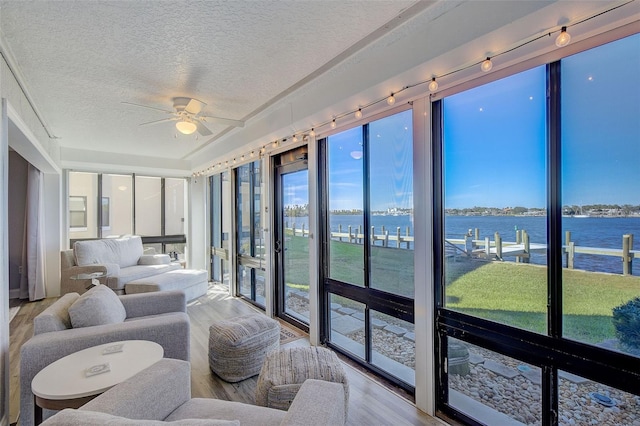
122, 259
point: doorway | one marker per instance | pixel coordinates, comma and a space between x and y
292, 237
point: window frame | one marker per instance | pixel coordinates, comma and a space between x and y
551, 352
391, 304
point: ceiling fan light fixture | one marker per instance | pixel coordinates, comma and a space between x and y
186, 127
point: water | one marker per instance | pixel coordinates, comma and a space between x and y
586, 232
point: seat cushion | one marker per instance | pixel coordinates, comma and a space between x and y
193, 282
70, 417
97, 306
247, 414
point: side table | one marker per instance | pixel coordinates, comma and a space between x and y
68, 383
94, 277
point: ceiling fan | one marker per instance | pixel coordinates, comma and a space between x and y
186, 114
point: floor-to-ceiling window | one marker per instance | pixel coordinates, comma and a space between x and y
368, 283
537, 208
105, 205
220, 226
249, 233
116, 204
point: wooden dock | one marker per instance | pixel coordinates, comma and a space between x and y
522, 249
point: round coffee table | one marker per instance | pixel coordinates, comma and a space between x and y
72, 381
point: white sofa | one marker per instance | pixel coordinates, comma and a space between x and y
122, 259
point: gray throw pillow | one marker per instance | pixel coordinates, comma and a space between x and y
98, 306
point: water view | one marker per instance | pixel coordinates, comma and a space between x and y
597, 232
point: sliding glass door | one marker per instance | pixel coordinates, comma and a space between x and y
292, 236
250, 250
220, 227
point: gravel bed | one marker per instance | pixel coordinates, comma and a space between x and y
517, 397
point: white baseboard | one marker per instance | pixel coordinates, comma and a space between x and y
14, 293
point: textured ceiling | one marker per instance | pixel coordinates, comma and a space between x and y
80, 59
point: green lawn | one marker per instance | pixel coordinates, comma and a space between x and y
515, 294
506, 292
392, 268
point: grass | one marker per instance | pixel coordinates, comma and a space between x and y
516, 294
505, 292
392, 268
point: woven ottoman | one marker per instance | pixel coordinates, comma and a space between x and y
284, 371
238, 346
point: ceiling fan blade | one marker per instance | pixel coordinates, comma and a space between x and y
202, 129
220, 120
194, 106
164, 120
148, 107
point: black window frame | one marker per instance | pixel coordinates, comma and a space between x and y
551, 352
394, 305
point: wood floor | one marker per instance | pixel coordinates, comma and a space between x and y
370, 403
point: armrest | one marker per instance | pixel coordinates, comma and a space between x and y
154, 259
170, 331
162, 302
317, 403
158, 390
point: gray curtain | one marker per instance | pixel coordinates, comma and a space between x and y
32, 279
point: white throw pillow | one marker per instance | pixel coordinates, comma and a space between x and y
98, 306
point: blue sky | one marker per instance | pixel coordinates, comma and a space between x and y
495, 141
495, 134
391, 165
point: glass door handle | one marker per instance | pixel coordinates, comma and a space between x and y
278, 246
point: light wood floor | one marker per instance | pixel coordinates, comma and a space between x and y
370, 403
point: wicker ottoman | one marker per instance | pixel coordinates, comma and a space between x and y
284, 371
238, 346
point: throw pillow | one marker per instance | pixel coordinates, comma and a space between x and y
98, 306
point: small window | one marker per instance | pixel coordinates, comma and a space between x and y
77, 211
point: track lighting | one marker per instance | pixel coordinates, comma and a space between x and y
186, 126
563, 38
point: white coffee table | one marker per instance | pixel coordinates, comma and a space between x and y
65, 384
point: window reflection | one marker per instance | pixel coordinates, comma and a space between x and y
601, 208
494, 201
